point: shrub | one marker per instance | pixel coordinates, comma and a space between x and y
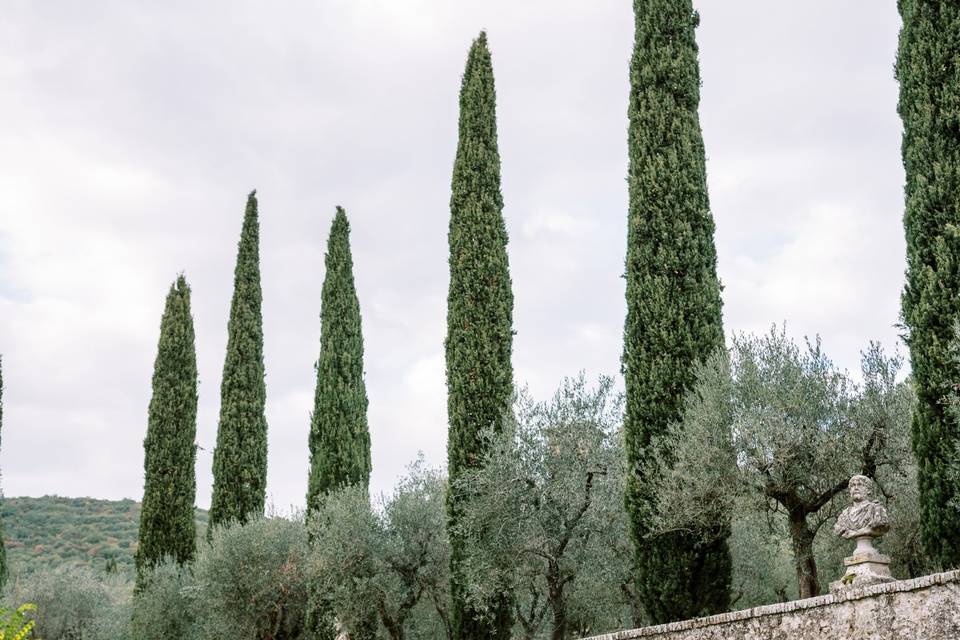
164, 608
75, 603
251, 582
385, 561
16, 624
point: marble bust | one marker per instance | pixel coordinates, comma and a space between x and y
863, 518
862, 521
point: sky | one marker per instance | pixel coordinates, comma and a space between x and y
133, 132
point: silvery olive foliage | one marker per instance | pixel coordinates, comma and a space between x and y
392, 558
772, 427
251, 581
546, 519
166, 605
74, 603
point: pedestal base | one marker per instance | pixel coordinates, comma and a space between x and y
863, 570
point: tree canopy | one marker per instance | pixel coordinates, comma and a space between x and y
240, 457
775, 427
167, 524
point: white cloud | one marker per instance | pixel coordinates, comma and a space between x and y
554, 223
135, 134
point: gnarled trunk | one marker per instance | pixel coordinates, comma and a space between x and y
558, 604
802, 536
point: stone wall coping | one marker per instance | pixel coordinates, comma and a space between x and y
898, 586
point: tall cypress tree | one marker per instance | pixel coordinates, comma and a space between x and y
928, 69
673, 300
479, 316
167, 525
240, 457
339, 436
3, 549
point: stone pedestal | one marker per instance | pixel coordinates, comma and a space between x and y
864, 568
862, 521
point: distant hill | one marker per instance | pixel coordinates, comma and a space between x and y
50, 531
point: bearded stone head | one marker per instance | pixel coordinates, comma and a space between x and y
860, 488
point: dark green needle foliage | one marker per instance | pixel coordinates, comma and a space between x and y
3, 549
167, 524
928, 68
673, 300
339, 435
479, 316
240, 457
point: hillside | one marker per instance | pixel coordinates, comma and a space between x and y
51, 531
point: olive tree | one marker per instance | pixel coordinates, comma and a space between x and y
250, 581
546, 519
774, 427
165, 606
74, 603
393, 559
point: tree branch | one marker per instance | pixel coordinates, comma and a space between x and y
827, 496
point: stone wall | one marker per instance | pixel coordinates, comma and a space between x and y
925, 608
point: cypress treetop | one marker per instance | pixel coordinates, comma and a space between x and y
339, 436
673, 297
339, 439
167, 525
479, 315
928, 69
480, 299
240, 457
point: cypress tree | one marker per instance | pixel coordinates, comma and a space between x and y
673, 300
3, 549
928, 69
240, 457
167, 525
479, 317
339, 436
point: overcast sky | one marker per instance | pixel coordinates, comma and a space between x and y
133, 131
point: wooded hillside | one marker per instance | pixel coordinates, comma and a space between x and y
50, 531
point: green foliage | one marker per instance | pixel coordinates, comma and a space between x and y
16, 624
165, 606
390, 560
763, 570
547, 515
167, 526
251, 581
339, 436
75, 604
479, 315
240, 457
4, 570
53, 532
899, 488
929, 73
673, 299
798, 429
